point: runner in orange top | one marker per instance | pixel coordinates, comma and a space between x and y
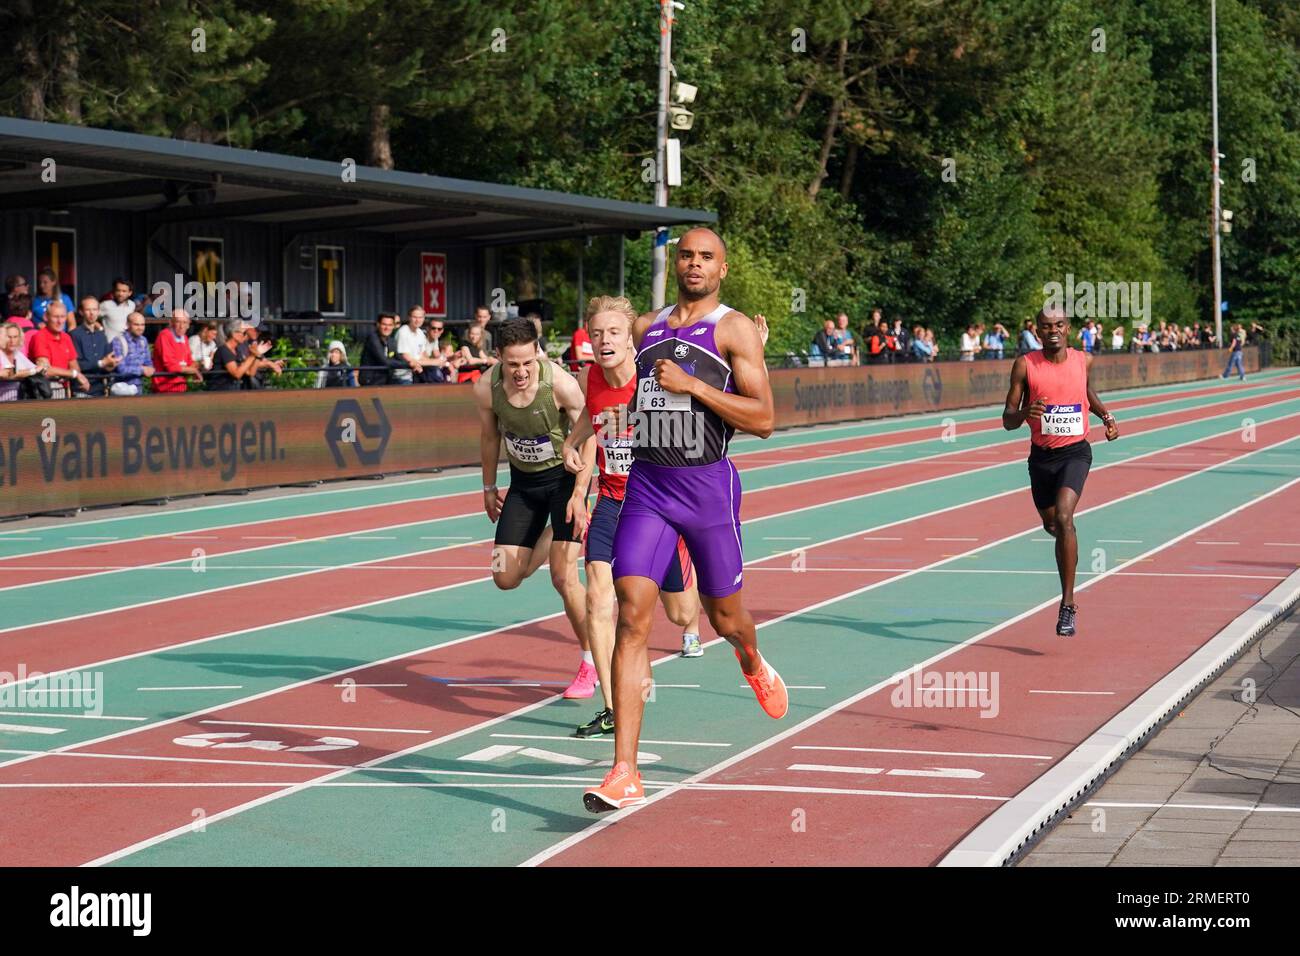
609, 385
1050, 390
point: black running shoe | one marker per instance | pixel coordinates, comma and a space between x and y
1065, 620
602, 723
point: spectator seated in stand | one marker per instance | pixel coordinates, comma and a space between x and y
922, 351
203, 345
380, 350
411, 346
823, 345
47, 292
171, 353
52, 349
337, 372
15, 367
94, 352
131, 349
474, 357
20, 314
115, 310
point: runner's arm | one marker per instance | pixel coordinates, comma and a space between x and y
569, 397
489, 446
1018, 407
577, 439
750, 408
1095, 405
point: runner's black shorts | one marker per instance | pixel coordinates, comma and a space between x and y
1051, 469
534, 497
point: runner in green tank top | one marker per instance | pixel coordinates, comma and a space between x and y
530, 403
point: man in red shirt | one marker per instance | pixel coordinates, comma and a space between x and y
171, 353
52, 348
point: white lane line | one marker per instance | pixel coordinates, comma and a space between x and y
25, 729
1081, 693
29, 713
1283, 544
199, 687
167, 835
925, 753
1118, 540
805, 686
370, 685
268, 537
446, 537
1244, 808
94, 537
659, 686
952, 539
1132, 398
493, 683
609, 740
1217, 542
251, 723
372, 537
594, 828
796, 538
192, 537
880, 538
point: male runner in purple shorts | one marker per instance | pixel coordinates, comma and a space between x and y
700, 376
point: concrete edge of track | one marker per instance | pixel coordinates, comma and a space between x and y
1010, 831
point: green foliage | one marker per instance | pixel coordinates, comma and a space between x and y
822, 134
294, 357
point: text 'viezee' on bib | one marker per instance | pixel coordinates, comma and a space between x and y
530, 450
1066, 420
651, 397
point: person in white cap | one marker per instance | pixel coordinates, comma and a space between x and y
338, 374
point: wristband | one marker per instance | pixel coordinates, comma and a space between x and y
490, 488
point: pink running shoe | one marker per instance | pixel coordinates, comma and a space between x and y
584, 685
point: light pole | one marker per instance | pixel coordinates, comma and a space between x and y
1216, 212
659, 267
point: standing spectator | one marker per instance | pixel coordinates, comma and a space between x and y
14, 285
880, 345
337, 373
52, 349
823, 344
536, 319
95, 356
482, 316
203, 345
474, 358
1028, 341
902, 339
47, 291
14, 365
132, 352
380, 351
411, 346
934, 346
970, 343
848, 345
115, 311
580, 350
921, 350
995, 341
1237, 338
1088, 335
171, 353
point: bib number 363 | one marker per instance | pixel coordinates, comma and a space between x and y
1063, 420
